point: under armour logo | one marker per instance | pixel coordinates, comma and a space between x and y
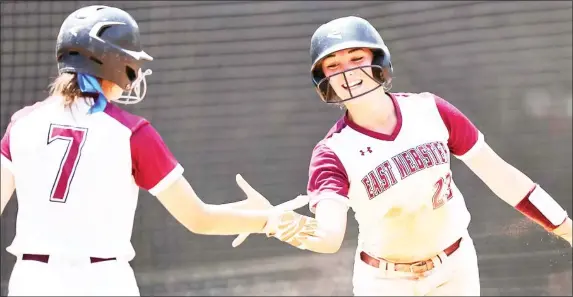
368, 149
334, 34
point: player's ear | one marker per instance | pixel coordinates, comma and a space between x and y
106, 85
111, 90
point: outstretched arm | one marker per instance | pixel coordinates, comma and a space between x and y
328, 192
183, 203
467, 143
322, 234
156, 170
519, 191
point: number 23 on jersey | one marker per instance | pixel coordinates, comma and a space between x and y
443, 191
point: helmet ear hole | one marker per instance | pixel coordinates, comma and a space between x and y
130, 73
62, 56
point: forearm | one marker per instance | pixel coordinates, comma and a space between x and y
186, 207
216, 212
322, 234
226, 220
517, 189
509, 184
238, 205
325, 241
541, 208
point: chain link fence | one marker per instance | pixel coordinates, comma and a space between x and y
231, 93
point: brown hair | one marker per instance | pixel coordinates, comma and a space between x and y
66, 85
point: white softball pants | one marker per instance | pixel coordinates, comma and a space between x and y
457, 276
67, 277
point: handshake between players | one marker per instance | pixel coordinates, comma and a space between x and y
283, 223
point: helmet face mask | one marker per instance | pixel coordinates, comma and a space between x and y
138, 88
342, 34
367, 77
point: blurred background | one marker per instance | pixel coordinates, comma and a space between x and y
231, 93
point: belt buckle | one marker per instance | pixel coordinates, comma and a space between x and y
418, 264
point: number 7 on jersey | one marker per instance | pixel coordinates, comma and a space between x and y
75, 138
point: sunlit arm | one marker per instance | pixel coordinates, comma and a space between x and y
8, 187
518, 190
245, 205
186, 207
331, 220
322, 234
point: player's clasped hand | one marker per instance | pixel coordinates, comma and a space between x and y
284, 224
292, 228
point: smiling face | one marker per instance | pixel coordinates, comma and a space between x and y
349, 72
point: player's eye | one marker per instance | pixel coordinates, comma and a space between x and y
357, 59
332, 66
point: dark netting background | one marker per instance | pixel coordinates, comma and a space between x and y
231, 93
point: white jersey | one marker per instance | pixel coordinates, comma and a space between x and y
78, 175
400, 185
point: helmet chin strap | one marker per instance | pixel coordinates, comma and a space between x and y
138, 88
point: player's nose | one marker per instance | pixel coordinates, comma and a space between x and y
346, 68
349, 73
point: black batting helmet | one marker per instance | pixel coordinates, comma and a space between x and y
344, 33
104, 42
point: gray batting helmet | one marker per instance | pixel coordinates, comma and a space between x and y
104, 42
344, 33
